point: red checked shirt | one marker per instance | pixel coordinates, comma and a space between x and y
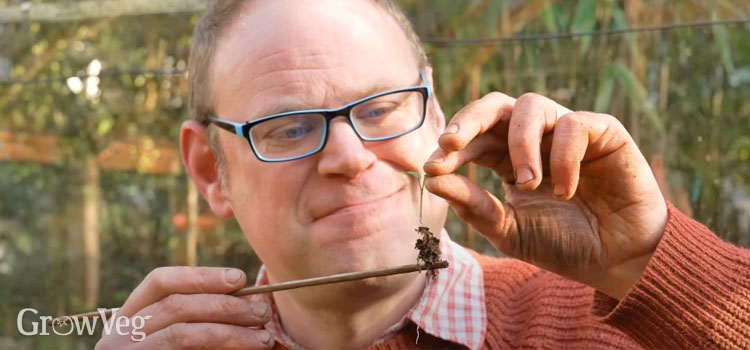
451, 308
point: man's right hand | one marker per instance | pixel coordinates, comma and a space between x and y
190, 309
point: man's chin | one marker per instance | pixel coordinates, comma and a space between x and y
371, 287
350, 242
368, 254
379, 285
358, 259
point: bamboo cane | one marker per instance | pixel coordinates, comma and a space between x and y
344, 277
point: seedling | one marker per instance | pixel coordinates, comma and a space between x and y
428, 245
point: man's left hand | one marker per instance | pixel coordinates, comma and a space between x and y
580, 198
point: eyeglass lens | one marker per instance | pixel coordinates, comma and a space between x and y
301, 134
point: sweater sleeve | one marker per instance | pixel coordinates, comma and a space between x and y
694, 293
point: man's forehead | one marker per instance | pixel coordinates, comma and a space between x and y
295, 28
289, 102
293, 90
281, 49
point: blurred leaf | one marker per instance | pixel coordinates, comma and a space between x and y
561, 17
24, 244
618, 16
549, 18
725, 50
415, 174
637, 94
620, 21
584, 20
604, 92
104, 126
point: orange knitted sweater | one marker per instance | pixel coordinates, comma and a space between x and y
694, 294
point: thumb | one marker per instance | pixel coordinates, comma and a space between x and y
482, 210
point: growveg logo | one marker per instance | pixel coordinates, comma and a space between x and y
65, 325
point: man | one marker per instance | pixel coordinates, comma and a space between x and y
329, 104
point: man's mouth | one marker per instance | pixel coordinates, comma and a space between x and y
357, 205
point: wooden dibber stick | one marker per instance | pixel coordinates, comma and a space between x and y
344, 277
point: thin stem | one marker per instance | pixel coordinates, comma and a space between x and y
420, 182
421, 196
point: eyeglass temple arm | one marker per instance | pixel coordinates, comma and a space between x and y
426, 84
227, 125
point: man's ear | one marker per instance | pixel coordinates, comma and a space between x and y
201, 166
437, 116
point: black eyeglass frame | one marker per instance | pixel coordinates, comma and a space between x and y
243, 129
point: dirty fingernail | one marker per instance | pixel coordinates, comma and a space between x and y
260, 309
523, 176
451, 129
559, 190
264, 337
232, 276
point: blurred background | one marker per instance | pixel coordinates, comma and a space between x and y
92, 93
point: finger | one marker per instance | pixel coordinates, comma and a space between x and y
580, 137
569, 143
487, 149
164, 281
479, 208
475, 119
206, 336
533, 116
211, 308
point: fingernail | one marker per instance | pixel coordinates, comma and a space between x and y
263, 336
451, 129
260, 309
523, 176
560, 190
232, 276
437, 157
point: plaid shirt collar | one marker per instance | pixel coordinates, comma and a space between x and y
451, 308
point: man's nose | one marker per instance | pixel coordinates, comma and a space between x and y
344, 153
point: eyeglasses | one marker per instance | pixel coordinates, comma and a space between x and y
294, 135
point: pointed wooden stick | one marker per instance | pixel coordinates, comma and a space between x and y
344, 277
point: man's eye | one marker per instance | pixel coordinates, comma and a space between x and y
377, 111
291, 132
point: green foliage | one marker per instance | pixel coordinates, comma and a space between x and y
605, 91
723, 46
584, 20
637, 94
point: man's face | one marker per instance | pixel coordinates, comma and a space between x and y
350, 207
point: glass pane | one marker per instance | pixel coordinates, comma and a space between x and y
389, 115
288, 136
